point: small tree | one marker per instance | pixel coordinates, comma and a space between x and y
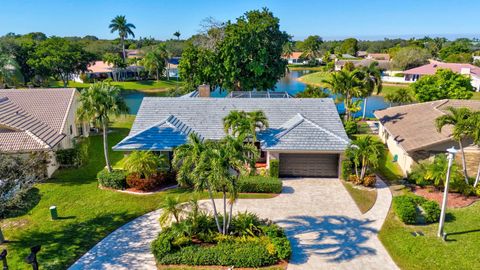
401, 96
444, 84
410, 57
171, 208
177, 34
143, 163
365, 152
97, 104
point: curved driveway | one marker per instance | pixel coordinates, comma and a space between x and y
325, 227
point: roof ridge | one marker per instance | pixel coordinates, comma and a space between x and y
326, 130
70, 102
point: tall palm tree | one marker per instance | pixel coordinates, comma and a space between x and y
240, 123
373, 83
366, 152
177, 34
458, 118
10, 73
153, 63
97, 104
473, 131
119, 24
347, 85
401, 96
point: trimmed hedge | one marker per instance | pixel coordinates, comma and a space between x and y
116, 179
259, 184
405, 208
151, 183
274, 168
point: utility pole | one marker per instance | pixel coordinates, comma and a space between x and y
451, 157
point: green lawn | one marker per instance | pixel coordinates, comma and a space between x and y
302, 67
461, 251
87, 214
390, 88
476, 96
146, 86
315, 78
364, 198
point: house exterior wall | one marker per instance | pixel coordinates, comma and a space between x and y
276, 155
403, 158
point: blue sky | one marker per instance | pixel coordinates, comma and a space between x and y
367, 19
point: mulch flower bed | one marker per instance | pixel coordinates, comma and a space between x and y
455, 200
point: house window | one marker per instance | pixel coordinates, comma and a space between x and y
80, 130
71, 130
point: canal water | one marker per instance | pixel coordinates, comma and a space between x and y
287, 84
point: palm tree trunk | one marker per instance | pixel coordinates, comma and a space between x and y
364, 108
157, 74
105, 146
477, 179
224, 212
464, 162
215, 213
230, 216
123, 48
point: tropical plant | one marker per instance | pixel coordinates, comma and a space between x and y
373, 83
436, 171
288, 48
177, 34
97, 104
444, 84
347, 85
313, 92
365, 152
171, 208
473, 131
311, 47
144, 163
10, 74
458, 118
155, 61
116, 62
119, 24
246, 124
401, 96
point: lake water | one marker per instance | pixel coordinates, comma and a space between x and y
287, 84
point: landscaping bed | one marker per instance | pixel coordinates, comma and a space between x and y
455, 200
195, 241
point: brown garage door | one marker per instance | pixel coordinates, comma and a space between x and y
309, 165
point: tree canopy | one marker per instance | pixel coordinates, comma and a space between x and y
349, 46
409, 57
442, 85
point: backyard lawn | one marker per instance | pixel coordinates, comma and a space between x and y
314, 78
144, 86
87, 214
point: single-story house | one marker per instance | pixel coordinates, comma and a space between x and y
378, 56
429, 69
100, 70
362, 54
134, 53
172, 67
39, 120
295, 58
306, 135
382, 64
411, 136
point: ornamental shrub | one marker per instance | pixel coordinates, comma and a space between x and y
347, 166
73, 157
274, 168
147, 184
114, 179
259, 184
405, 209
432, 211
350, 127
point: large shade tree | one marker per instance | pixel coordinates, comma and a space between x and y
97, 104
10, 74
119, 24
444, 84
458, 119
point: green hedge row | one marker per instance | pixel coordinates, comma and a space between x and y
405, 208
259, 184
115, 179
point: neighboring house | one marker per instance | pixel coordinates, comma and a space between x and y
469, 70
382, 64
362, 54
378, 56
348, 56
39, 120
295, 58
172, 67
411, 136
100, 70
306, 135
134, 53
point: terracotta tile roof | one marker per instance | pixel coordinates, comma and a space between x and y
100, 67
431, 68
413, 126
379, 56
294, 55
33, 119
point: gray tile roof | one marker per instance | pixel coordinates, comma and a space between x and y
33, 119
295, 123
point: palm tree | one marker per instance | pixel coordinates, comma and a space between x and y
458, 118
257, 120
177, 34
9, 71
473, 131
366, 152
240, 123
117, 63
401, 96
313, 92
346, 84
144, 163
97, 104
119, 24
288, 48
171, 207
373, 83
153, 64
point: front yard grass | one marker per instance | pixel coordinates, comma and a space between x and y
87, 213
315, 78
143, 86
363, 197
460, 251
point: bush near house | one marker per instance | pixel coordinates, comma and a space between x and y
73, 157
259, 184
274, 168
405, 208
151, 183
114, 179
251, 242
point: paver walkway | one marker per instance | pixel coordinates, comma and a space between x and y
325, 227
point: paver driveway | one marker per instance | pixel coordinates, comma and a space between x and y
325, 227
